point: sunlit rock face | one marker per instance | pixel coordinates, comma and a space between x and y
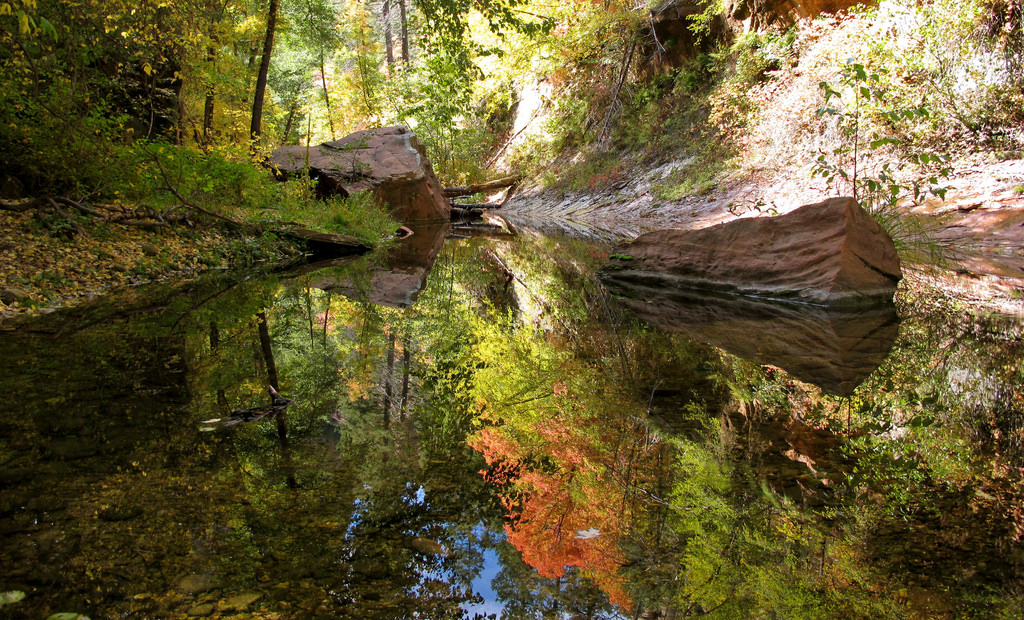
784, 13
830, 253
834, 349
390, 162
672, 22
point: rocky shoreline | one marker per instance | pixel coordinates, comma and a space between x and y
979, 227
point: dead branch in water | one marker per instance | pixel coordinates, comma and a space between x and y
469, 190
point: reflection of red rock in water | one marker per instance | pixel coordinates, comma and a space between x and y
835, 349
829, 253
404, 276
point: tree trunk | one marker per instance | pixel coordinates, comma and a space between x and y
405, 32
288, 123
469, 190
309, 316
281, 417
211, 89
405, 377
222, 399
388, 43
327, 97
627, 60
268, 352
180, 120
256, 127
387, 380
216, 11
208, 115
327, 314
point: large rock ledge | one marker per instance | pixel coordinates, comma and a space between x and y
390, 162
829, 253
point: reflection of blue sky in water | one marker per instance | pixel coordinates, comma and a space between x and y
479, 538
482, 586
491, 569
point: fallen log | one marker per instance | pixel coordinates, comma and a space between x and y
476, 205
482, 231
489, 186
277, 404
323, 244
21, 205
464, 214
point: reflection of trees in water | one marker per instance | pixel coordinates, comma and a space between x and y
292, 508
649, 470
793, 517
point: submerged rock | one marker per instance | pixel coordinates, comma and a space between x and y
829, 253
390, 162
14, 295
195, 584
238, 602
200, 611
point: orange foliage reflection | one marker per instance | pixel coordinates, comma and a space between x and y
572, 485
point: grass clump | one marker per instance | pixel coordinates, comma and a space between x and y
360, 215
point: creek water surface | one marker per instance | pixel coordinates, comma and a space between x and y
478, 428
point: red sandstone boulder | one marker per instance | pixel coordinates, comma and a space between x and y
828, 253
390, 162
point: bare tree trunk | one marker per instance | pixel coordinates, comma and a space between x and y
288, 123
489, 186
309, 316
208, 115
268, 352
363, 70
180, 122
208, 109
327, 97
281, 417
222, 399
327, 314
256, 126
388, 43
405, 32
627, 60
216, 11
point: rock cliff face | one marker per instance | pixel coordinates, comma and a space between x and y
828, 253
390, 162
784, 13
672, 21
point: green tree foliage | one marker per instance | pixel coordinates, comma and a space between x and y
625, 468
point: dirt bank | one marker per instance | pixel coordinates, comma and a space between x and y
46, 263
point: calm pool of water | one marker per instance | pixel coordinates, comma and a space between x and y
479, 428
